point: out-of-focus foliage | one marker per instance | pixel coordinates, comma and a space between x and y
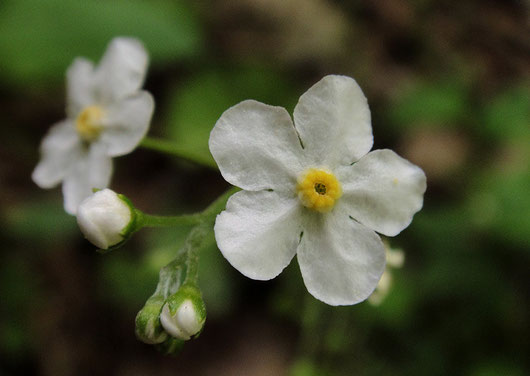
435, 103
448, 86
38, 39
507, 115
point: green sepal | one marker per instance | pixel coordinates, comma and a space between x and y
170, 346
148, 327
132, 225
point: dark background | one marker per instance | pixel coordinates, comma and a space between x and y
448, 87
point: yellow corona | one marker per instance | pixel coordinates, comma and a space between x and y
318, 189
88, 123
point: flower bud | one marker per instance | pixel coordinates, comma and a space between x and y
148, 327
105, 218
184, 313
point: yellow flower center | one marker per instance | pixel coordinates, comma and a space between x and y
88, 123
318, 189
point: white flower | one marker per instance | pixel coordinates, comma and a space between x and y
107, 116
312, 190
103, 218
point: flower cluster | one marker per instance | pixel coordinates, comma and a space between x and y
311, 187
107, 116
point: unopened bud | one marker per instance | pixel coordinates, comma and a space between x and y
184, 313
105, 218
148, 327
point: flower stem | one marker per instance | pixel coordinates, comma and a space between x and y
168, 147
147, 220
206, 216
182, 271
200, 234
194, 242
218, 205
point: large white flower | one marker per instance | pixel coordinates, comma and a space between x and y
312, 189
107, 116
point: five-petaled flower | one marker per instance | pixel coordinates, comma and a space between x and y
312, 188
107, 116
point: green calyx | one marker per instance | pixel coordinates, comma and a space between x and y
188, 292
148, 327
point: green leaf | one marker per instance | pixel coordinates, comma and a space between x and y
196, 105
39, 39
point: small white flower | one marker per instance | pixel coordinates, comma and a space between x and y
107, 116
313, 190
184, 323
103, 218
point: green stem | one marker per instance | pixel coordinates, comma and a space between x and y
194, 242
199, 236
207, 215
183, 270
170, 278
168, 147
218, 205
147, 220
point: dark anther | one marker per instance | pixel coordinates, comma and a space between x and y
320, 188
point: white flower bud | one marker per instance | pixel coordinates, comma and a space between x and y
183, 315
103, 218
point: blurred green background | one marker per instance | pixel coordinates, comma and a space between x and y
448, 86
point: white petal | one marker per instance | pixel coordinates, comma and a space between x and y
258, 232
170, 325
256, 147
333, 120
59, 149
383, 191
80, 81
126, 123
122, 69
340, 259
187, 318
92, 170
